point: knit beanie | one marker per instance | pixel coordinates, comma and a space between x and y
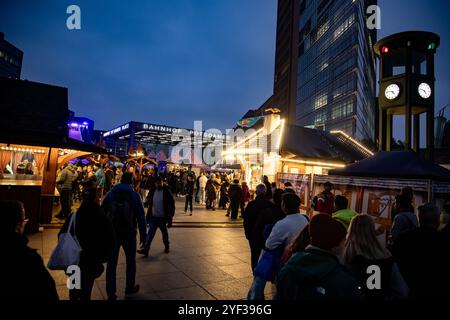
326, 232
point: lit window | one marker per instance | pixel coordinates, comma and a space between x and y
344, 27
321, 100
322, 29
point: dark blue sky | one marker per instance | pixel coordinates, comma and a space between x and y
176, 61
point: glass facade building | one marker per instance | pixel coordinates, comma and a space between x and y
336, 68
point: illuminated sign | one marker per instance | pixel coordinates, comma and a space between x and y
117, 130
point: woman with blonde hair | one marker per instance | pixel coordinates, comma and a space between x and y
363, 250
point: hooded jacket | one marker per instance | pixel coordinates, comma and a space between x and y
316, 275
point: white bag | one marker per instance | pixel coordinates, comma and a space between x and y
67, 251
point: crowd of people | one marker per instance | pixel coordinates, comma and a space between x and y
333, 254
337, 253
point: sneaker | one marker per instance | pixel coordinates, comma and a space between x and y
133, 290
227, 215
190, 214
143, 252
166, 250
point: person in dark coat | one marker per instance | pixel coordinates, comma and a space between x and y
95, 234
236, 198
224, 199
422, 258
211, 194
161, 209
268, 187
24, 276
124, 207
257, 214
189, 191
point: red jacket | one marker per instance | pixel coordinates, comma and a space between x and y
325, 203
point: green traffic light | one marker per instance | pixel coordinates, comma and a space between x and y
432, 46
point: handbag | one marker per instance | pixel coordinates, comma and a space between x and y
67, 251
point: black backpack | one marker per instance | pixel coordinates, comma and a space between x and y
121, 215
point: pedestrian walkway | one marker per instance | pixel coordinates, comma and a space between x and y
202, 217
204, 264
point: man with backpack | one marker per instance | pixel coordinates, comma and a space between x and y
124, 208
161, 209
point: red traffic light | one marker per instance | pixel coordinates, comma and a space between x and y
384, 50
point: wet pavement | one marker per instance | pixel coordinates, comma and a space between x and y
204, 263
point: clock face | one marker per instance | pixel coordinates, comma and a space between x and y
425, 90
392, 91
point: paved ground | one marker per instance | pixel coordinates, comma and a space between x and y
204, 263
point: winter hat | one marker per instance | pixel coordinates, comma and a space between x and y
326, 232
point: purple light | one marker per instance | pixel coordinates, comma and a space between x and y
85, 123
73, 124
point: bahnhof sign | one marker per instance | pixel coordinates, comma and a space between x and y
120, 139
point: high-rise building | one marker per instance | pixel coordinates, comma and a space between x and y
10, 59
325, 67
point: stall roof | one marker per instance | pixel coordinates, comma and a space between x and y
301, 142
396, 164
48, 140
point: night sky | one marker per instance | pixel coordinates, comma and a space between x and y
173, 62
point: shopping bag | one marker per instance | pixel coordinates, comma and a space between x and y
68, 249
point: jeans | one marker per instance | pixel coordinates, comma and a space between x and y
256, 291
188, 202
129, 247
202, 195
154, 224
234, 209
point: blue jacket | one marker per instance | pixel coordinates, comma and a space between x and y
136, 203
269, 263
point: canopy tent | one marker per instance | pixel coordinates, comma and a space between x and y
397, 164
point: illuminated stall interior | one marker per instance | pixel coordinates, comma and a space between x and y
278, 147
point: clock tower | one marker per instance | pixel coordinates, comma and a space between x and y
407, 87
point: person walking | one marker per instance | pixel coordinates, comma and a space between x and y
124, 208
236, 198
161, 209
95, 235
362, 250
202, 180
197, 189
65, 185
189, 191
24, 276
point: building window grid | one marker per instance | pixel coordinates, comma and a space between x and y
314, 69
